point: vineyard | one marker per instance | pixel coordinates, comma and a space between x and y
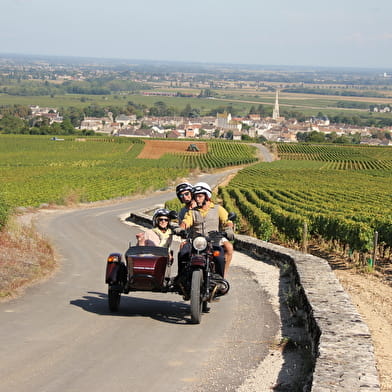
339, 157
337, 194
36, 170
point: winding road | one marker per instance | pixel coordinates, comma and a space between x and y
60, 336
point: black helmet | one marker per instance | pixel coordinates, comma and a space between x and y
158, 213
184, 186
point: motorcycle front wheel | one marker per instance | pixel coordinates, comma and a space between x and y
196, 302
114, 298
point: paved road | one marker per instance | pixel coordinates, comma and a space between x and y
60, 335
266, 154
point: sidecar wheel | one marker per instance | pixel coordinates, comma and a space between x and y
114, 298
196, 303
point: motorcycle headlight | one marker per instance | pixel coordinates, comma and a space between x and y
199, 243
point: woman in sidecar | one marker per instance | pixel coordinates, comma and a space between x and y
161, 234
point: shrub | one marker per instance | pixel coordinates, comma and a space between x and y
4, 212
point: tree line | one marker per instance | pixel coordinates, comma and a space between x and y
333, 137
89, 87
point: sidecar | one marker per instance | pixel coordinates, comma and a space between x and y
144, 268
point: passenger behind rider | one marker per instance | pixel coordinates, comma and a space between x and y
184, 194
206, 217
160, 234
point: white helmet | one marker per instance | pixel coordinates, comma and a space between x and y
202, 187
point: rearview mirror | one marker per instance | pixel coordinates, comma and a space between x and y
173, 215
232, 216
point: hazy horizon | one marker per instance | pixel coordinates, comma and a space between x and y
304, 33
124, 61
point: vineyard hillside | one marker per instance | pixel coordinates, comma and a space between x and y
36, 169
337, 195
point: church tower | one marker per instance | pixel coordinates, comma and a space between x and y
275, 112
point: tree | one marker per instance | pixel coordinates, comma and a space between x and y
159, 109
246, 137
190, 112
229, 135
301, 136
356, 138
67, 127
186, 111
216, 133
311, 137
39, 122
206, 93
316, 137
15, 110
342, 140
202, 132
94, 111
75, 115
331, 137
12, 124
55, 129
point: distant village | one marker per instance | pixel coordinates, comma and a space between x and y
275, 128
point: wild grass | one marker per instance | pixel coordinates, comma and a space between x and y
25, 257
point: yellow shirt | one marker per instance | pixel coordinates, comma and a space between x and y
223, 215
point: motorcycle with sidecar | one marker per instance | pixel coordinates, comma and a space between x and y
147, 268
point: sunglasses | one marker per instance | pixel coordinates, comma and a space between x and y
185, 194
163, 220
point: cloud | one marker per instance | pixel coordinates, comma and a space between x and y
356, 37
360, 38
386, 37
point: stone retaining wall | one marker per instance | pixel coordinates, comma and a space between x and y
341, 342
342, 346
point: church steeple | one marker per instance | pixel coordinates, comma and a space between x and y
275, 112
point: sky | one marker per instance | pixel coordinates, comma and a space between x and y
342, 33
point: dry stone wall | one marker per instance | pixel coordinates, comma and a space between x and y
342, 348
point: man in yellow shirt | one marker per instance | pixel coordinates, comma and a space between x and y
206, 217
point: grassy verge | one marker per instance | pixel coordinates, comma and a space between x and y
25, 257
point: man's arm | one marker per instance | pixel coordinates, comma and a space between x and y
224, 218
187, 221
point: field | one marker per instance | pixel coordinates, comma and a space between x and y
36, 170
153, 148
342, 195
240, 99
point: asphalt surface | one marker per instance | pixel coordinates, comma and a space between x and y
60, 335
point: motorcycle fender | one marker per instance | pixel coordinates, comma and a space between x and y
114, 272
198, 261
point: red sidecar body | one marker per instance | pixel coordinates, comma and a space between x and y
144, 269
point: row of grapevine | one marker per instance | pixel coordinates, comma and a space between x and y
260, 221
